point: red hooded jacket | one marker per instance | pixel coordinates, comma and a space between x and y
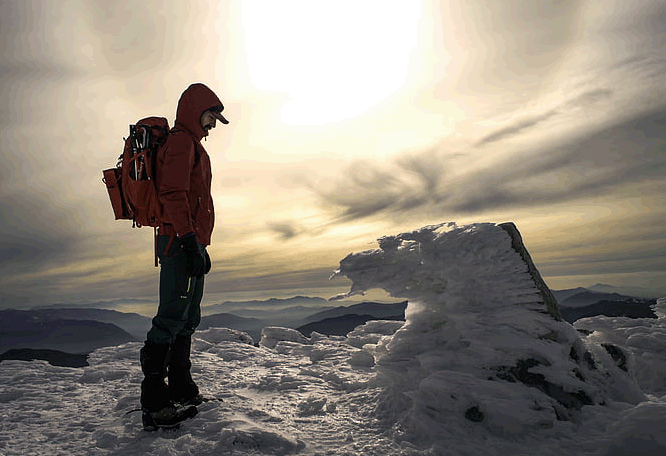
183, 169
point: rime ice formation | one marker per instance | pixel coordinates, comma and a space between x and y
483, 341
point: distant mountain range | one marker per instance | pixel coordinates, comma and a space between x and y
81, 330
629, 291
30, 329
583, 297
327, 320
342, 325
135, 324
273, 304
628, 308
577, 303
377, 310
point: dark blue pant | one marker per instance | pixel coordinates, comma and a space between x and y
179, 310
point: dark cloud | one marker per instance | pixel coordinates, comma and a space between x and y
286, 230
597, 164
365, 189
648, 64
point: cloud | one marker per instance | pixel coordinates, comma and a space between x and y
591, 97
599, 163
587, 99
32, 234
516, 128
366, 188
286, 230
595, 164
305, 278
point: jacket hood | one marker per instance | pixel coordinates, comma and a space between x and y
196, 99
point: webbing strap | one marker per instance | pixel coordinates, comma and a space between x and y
155, 230
166, 251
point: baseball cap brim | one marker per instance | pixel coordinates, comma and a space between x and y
217, 112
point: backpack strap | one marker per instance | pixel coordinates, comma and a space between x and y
196, 149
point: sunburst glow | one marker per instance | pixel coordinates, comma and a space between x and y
334, 60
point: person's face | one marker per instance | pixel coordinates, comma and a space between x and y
208, 120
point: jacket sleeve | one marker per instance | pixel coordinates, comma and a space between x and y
175, 182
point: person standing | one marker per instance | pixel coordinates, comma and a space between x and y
183, 180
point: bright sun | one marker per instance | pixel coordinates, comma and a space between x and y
334, 59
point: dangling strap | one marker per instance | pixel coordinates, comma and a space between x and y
155, 229
166, 251
173, 236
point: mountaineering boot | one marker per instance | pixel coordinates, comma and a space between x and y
158, 409
182, 388
169, 417
196, 400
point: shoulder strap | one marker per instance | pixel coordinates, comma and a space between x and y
196, 149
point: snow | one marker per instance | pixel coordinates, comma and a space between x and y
273, 335
643, 340
438, 384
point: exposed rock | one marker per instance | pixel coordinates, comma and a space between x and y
518, 246
474, 414
617, 354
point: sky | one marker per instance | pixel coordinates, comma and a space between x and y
349, 120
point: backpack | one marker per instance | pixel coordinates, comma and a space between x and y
131, 184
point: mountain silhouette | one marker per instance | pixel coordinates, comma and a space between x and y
54, 357
377, 310
342, 325
24, 329
588, 297
626, 308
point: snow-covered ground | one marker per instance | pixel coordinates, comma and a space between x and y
480, 367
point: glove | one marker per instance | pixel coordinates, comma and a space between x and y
195, 259
208, 265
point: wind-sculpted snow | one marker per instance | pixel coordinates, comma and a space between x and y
271, 335
483, 341
482, 366
637, 344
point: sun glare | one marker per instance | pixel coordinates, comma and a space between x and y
334, 60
